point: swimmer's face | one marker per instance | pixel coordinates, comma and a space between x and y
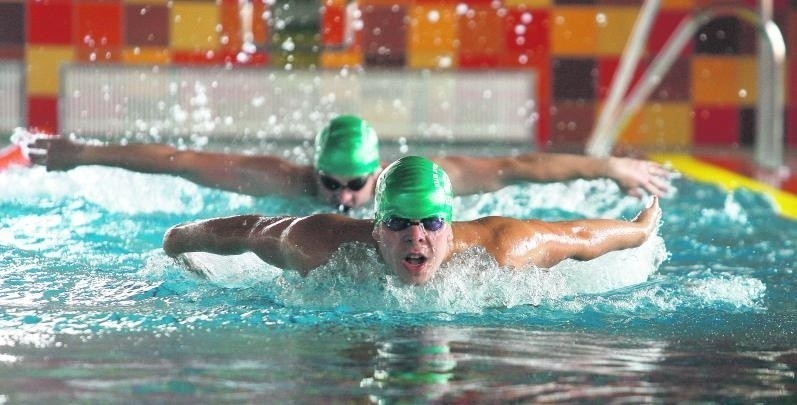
346, 192
413, 251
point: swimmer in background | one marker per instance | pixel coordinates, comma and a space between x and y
346, 164
413, 231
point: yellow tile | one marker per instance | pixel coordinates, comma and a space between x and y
573, 31
528, 3
432, 31
43, 68
747, 94
193, 26
431, 60
715, 80
665, 126
146, 55
614, 25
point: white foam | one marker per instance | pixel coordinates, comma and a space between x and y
471, 282
116, 190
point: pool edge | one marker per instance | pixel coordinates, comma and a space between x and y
696, 169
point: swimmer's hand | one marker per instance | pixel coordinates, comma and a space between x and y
54, 152
639, 177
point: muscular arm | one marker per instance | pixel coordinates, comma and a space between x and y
470, 174
520, 242
253, 175
298, 243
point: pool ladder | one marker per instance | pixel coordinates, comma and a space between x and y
771, 71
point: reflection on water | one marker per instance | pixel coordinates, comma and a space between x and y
376, 365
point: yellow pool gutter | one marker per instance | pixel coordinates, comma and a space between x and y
785, 202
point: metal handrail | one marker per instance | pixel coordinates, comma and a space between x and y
769, 142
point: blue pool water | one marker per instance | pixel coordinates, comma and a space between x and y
91, 310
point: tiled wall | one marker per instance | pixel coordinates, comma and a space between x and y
708, 97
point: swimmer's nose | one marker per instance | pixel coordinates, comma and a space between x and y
415, 233
346, 197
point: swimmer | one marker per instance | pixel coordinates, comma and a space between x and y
413, 231
345, 168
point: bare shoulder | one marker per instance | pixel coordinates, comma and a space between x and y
330, 229
308, 242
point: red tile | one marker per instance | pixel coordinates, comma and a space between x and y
716, 126
664, 26
49, 22
791, 124
43, 114
98, 24
527, 33
333, 23
606, 69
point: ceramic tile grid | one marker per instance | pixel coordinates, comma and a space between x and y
707, 98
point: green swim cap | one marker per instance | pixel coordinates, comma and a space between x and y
348, 146
413, 187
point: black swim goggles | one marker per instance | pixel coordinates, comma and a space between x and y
397, 224
333, 184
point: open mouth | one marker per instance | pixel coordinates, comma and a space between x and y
343, 209
414, 260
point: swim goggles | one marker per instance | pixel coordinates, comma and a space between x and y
332, 184
431, 224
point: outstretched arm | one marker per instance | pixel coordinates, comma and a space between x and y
520, 242
470, 174
253, 175
298, 243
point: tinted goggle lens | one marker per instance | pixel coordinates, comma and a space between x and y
332, 184
431, 224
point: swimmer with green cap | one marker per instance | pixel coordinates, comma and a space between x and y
413, 231
345, 166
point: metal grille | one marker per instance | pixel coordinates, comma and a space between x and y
154, 104
12, 111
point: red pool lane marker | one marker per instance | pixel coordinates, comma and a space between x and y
12, 156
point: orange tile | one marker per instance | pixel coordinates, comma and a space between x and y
98, 54
574, 31
678, 4
98, 24
259, 25
230, 19
481, 37
432, 35
340, 59
715, 80
614, 25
